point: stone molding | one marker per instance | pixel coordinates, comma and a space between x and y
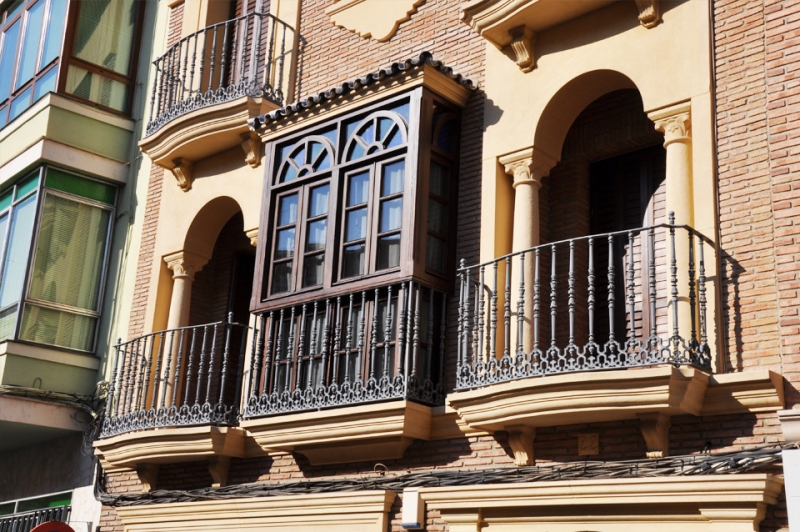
528, 166
522, 39
185, 264
361, 511
376, 19
674, 122
649, 13
790, 424
252, 234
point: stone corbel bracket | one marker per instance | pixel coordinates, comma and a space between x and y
520, 438
372, 18
649, 13
183, 173
522, 39
655, 429
251, 145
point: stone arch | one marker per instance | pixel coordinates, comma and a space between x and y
207, 224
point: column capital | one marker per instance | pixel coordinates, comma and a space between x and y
528, 166
185, 264
675, 122
252, 234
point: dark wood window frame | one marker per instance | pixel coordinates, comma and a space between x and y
417, 152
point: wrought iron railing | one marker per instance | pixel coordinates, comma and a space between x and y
248, 55
186, 376
614, 300
27, 521
374, 345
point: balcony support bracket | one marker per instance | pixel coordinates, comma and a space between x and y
183, 173
251, 144
520, 438
219, 466
522, 39
655, 429
148, 476
649, 13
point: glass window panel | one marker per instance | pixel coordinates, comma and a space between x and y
391, 215
3, 229
437, 217
281, 277
316, 235
55, 30
287, 213
300, 156
316, 149
393, 174
289, 174
284, 247
438, 179
28, 185
313, 269
319, 201
447, 136
18, 249
15, 8
20, 103
359, 189
8, 57
353, 260
384, 126
388, 251
5, 200
8, 320
55, 327
87, 188
356, 151
394, 140
435, 253
356, 225
97, 88
3, 115
323, 163
403, 109
45, 84
104, 33
70, 250
368, 133
30, 46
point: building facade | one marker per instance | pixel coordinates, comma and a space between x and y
70, 110
504, 264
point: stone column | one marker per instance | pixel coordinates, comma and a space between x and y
675, 123
527, 167
184, 266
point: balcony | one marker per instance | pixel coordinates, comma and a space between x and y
210, 82
25, 521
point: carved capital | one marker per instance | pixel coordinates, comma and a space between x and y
528, 166
655, 429
183, 173
148, 476
674, 122
251, 145
522, 39
184, 264
252, 234
649, 13
520, 438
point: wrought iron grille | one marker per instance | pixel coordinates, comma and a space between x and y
248, 55
27, 521
374, 345
186, 376
614, 300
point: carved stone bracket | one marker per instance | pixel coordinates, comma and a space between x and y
252, 234
674, 122
219, 466
655, 429
649, 13
372, 18
183, 173
251, 144
148, 476
522, 39
520, 438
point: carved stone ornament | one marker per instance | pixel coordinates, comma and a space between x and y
528, 166
655, 429
184, 265
378, 19
183, 173
251, 144
649, 13
522, 39
674, 122
252, 234
520, 439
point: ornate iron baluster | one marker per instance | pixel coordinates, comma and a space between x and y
462, 337
149, 370
338, 337
278, 353
590, 297
467, 329
167, 368
553, 302
507, 311
189, 366
612, 335
213, 60
373, 336
651, 279
301, 349
202, 63
312, 350
113, 400
211, 360
674, 290
157, 375
348, 340
387, 332
290, 353
415, 352
200, 364
536, 300
571, 295
178, 363
225, 356
692, 295
265, 387
362, 332
428, 374
521, 306
192, 91
702, 287
631, 289
325, 346
401, 323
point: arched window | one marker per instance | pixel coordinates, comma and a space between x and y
311, 155
380, 131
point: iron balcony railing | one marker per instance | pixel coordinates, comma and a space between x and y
27, 521
186, 376
615, 300
375, 345
248, 55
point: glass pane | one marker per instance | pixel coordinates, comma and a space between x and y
437, 217
319, 201
8, 321
435, 253
69, 253
356, 225
287, 214
392, 181
289, 173
315, 239
367, 133
316, 149
30, 46
5, 200
104, 34
45, 84
87, 188
3, 116
394, 140
359, 189
281, 277
324, 163
18, 105
3, 229
384, 125
447, 136
391, 215
15, 8
353, 260
28, 185
97, 88
7, 59
388, 251
356, 152
22, 218
312, 270
284, 246
438, 179
403, 109
299, 156
55, 327
55, 29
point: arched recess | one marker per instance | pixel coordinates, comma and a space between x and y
207, 224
